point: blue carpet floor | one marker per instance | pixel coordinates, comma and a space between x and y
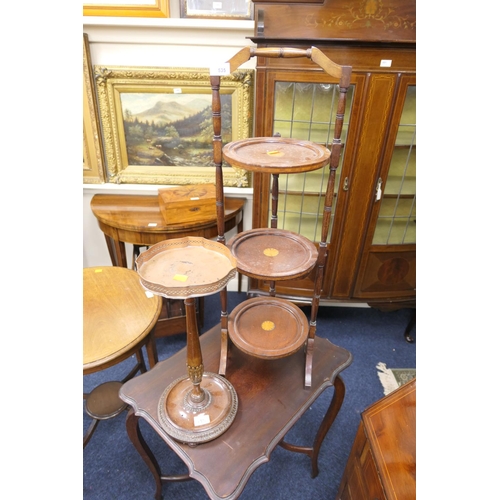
112, 468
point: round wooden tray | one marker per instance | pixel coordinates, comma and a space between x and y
276, 254
186, 267
268, 327
276, 155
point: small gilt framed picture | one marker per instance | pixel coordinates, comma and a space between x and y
217, 9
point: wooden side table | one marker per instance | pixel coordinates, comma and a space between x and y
382, 463
267, 389
137, 220
118, 320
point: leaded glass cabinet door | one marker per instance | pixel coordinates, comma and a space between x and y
389, 258
302, 107
396, 222
307, 111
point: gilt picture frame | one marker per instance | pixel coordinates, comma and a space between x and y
217, 9
128, 8
94, 171
157, 123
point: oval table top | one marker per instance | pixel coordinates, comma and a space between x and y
118, 314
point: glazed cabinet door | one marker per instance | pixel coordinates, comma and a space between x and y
299, 105
388, 263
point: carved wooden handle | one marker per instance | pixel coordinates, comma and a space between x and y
279, 52
342, 73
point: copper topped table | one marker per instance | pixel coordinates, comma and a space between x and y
118, 320
271, 399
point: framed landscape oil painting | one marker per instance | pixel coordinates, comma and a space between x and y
157, 123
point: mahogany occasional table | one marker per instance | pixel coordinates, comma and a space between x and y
271, 399
118, 320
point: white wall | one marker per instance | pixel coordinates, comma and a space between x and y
173, 42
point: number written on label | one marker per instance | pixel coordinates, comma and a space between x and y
220, 70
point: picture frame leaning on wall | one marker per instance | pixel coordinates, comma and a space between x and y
93, 155
157, 123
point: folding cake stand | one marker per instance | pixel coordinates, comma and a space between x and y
267, 326
201, 406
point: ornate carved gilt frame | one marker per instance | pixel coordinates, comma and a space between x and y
113, 81
160, 8
93, 154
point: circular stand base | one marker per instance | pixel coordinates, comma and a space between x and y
103, 402
198, 422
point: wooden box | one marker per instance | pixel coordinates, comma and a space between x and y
190, 203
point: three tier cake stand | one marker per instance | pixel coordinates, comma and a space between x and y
267, 326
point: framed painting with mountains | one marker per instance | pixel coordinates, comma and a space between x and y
157, 123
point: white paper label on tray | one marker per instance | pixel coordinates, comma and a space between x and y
220, 70
201, 419
152, 224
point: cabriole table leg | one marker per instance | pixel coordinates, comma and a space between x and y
329, 418
134, 434
326, 423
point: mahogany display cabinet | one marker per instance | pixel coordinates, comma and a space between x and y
372, 244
